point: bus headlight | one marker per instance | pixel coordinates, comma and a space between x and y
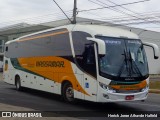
111, 90
107, 87
104, 86
143, 89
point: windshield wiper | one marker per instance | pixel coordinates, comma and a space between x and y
129, 67
123, 64
133, 64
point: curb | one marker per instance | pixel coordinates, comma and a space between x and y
154, 91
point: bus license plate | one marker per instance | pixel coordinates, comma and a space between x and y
129, 97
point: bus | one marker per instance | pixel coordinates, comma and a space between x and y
88, 62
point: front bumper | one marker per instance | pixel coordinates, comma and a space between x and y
105, 96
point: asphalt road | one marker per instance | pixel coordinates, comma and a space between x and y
43, 101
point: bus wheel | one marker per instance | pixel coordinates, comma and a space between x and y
18, 83
68, 92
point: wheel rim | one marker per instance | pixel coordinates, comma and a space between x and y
69, 94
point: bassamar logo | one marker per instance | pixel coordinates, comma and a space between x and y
50, 64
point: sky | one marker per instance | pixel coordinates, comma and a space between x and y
39, 11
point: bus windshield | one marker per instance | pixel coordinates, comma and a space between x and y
124, 58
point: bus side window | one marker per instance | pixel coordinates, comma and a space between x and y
84, 53
89, 57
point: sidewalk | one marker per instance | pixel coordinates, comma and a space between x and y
154, 91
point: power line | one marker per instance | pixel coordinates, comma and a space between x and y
121, 6
122, 11
113, 24
153, 21
114, 6
111, 19
128, 10
32, 21
144, 14
42, 18
62, 11
55, 13
37, 19
124, 18
114, 9
138, 18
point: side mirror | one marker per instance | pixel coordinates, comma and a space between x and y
101, 45
155, 49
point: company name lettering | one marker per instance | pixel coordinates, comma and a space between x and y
128, 86
50, 64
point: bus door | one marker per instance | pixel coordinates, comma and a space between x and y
90, 82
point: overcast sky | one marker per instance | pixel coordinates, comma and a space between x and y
38, 11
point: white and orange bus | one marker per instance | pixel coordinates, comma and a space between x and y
89, 62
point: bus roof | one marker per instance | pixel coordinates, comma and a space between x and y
91, 29
105, 31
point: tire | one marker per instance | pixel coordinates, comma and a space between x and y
18, 83
68, 93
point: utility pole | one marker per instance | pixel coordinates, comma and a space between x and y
74, 12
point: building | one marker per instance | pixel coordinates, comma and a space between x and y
15, 31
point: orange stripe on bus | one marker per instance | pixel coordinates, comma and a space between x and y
42, 36
130, 87
56, 73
